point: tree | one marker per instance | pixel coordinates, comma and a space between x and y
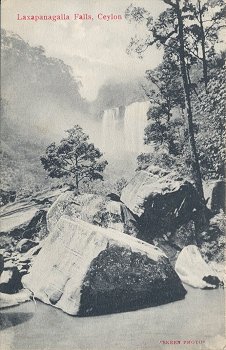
209, 113
169, 32
74, 158
207, 18
165, 96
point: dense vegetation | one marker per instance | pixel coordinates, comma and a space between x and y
186, 117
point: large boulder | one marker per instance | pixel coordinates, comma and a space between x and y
17, 243
25, 244
92, 208
214, 192
16, 221
194, 271
85, 269
161, 201
29, 223
8, 300
10, 280
213, 239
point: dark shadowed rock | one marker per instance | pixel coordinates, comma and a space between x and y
10, 281
85, 269
25, 244
214, 192
29, 224
212, 241
23, 224
161, 201
218, 197
7, 197
121, 280
114, 197
214, 280
1, 264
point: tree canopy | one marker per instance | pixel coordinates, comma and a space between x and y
182, 97
74, 158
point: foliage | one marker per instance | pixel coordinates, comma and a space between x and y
163, 159
47, 78
209, 114
182, 113
119, 185
74, 158
44, 92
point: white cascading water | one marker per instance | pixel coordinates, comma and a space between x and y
125, 134
135, 121
111, 133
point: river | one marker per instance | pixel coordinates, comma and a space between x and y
198, 318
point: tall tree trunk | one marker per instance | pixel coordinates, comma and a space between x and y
194, 156
204, 62
76, 175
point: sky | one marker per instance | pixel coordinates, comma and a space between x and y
96, 50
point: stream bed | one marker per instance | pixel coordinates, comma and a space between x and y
197, 322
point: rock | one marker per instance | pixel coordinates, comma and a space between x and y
194, 271
161, 202
8, 300
33, 251
49, 196
1, 264
9, 264
168, 248
64, 205
16, 221
30, 224
214, 192
23, 271
185, 235
7, 197
114, 197
98, 210
84, 269
10, 280
220, 269
37, 226
6, 254
25, 244
16, 245
212, 241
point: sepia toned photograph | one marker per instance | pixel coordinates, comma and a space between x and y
112, 196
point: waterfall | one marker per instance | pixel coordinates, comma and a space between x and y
124, 133
111, 131
135, 121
